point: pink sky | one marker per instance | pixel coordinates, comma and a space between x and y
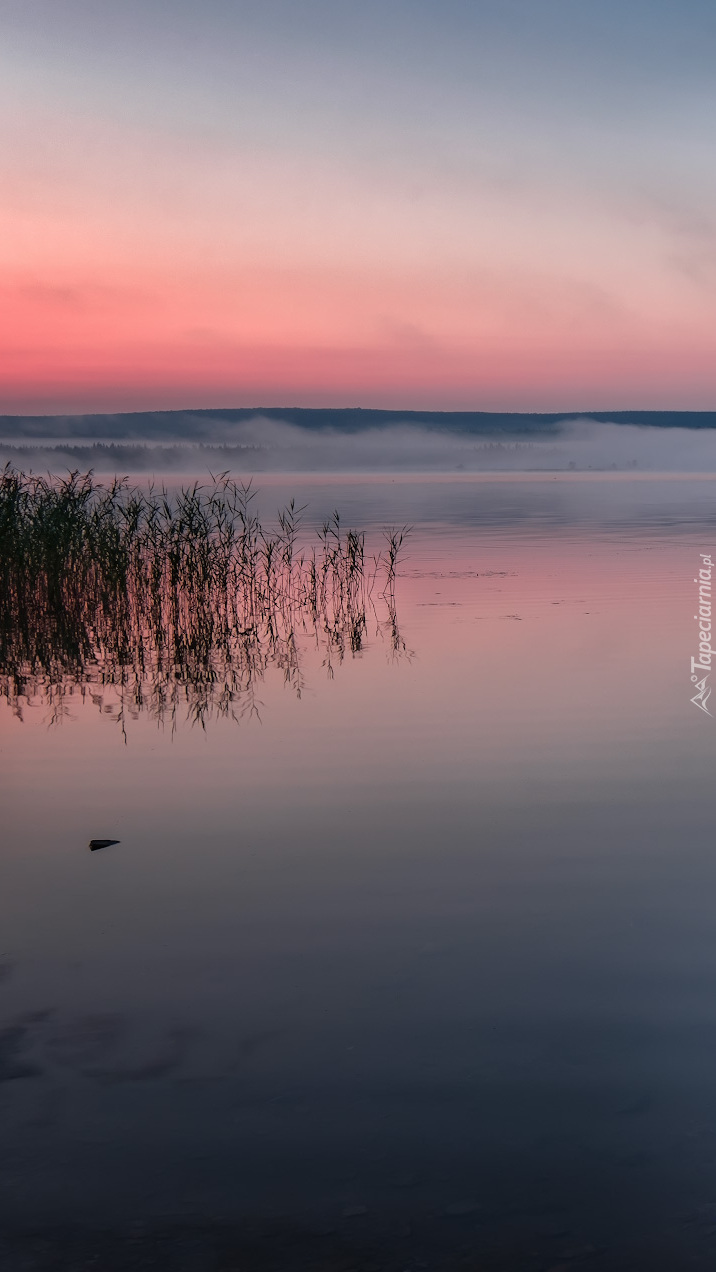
290, 228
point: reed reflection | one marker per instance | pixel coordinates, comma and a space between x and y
179, 602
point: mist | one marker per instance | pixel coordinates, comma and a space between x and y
267, 444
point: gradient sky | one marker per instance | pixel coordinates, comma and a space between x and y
488, 204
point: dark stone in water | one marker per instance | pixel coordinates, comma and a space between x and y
101, 843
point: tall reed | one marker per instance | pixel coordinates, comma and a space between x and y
181, 596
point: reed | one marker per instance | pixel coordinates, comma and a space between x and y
174, 597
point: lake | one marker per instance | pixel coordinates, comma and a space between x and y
407, 960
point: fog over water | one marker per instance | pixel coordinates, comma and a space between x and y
266, 444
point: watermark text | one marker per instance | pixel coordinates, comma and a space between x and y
702, 663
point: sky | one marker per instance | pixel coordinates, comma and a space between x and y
470, 204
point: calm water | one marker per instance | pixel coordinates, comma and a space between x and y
414, 968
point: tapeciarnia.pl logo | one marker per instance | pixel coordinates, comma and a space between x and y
703, 618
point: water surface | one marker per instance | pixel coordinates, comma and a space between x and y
414, 964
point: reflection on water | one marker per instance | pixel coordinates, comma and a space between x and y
176, 603
417, 971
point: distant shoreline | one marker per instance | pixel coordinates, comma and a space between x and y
205, 425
